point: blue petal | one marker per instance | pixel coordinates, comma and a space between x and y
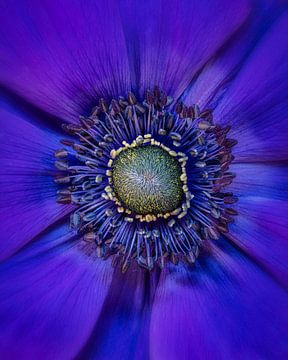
224, 308
51, 295
122, 331
79, 52
260, 229
62, 55
28, 193
220, 72
256, 104
168, 41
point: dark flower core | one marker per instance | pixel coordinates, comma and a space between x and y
148, 179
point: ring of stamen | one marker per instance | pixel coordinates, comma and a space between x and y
188, 135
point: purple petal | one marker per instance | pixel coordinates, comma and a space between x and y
224, 308
122, 331
256, 104
28, 193
260, 229
261, 180
50, 300
78, 52
215, 78
61, 55
169, 41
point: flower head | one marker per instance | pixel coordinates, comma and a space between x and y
143, 178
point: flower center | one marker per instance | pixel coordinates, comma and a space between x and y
149, 179
146, 179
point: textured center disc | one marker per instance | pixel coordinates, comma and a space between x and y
146, 179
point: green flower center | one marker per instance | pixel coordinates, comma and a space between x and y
146, 180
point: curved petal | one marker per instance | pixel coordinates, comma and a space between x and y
256, 105
122, 331
260, 229
224, 308
28, 193
262, 180
218, 74
169, 42
62, 55
50, 298
77, 51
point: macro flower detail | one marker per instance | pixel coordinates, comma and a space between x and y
149, 181
143, 179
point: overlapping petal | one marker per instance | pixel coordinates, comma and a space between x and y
28, 193
265, 180
218, 74
168, 42
79, 52
51, 296
122, 331
63, 55
223, 308
256, 104
57, 301
260, 229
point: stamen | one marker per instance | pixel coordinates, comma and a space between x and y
148, 181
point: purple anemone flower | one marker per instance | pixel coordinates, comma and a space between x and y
143, 207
